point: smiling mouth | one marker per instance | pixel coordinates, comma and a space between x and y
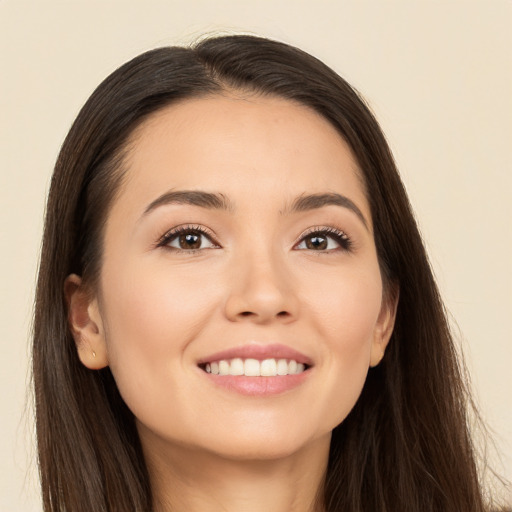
254, 368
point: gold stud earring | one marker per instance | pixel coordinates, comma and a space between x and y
93, 354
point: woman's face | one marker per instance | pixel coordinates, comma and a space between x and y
241, 233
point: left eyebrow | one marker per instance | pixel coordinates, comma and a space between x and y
314, 201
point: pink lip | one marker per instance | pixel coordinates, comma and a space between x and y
259, 352
258, 386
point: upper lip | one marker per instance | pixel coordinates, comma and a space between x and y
260, 352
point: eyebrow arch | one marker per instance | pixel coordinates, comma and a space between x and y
217, 201
313, 201
192, 197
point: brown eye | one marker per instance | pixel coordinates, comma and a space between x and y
190, 241
316, 242
187, 239
325, 240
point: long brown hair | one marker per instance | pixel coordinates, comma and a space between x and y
404, 447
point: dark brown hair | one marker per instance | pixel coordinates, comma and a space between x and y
404, 447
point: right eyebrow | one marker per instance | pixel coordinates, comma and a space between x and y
192, 197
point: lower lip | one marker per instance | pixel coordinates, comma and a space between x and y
259, 386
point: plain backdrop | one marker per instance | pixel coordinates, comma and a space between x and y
438, 75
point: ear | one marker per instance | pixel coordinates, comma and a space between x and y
85, 323
384, 325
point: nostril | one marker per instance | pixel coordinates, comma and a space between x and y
249, 313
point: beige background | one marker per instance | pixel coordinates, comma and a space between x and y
437, 74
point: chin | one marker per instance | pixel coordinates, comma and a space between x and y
267, 445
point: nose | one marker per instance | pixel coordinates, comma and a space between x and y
261, 290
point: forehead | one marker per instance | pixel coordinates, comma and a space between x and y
244, 146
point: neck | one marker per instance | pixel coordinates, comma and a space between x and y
195, 481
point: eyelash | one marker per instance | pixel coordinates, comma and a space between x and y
181, 230
340, 237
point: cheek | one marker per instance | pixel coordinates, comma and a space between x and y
153, 309
151, 317
346, 305
345, 318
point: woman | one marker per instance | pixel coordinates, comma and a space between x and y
235, 310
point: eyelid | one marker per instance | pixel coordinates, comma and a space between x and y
183, 228
340, 236
345, 242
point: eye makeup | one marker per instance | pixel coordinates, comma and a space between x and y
322, 238
187, 235
192, 238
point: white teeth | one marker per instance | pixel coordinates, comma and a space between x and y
223, 368
269, 368
236, 367
255, 368
252, 368
282, 367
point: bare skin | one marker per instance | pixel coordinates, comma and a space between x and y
199, 481
252, 267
